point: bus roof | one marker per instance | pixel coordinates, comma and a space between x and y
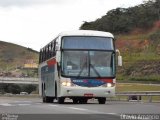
86, 33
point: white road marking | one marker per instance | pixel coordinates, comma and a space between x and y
77, 108
6, 104
112, 113
82, 109
38, 103
87, 110
54, 105
23, 104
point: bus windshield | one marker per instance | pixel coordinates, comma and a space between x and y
78, 63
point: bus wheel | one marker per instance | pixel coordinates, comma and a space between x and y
60, 100
75, 101
49, 99
102, 100
43, 94
83, 101
44, 99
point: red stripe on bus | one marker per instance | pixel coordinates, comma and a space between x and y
107, 80
51, 62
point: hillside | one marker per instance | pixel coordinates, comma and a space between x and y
13, 58
137, 31
141, 56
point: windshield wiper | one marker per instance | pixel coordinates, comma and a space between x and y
95, 70
91, 66
85, 64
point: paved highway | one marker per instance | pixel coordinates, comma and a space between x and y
31, 108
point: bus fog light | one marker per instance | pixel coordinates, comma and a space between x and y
68, 91
109, 85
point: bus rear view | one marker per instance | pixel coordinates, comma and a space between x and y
86, 66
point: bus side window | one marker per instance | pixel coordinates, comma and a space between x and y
53, 49
40, 56
48, 54
55, 45
50, 50
45, 52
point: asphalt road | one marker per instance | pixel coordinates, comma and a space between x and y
23, 108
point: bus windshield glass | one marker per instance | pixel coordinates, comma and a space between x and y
87, 42
88, 63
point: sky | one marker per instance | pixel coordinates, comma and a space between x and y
34, 23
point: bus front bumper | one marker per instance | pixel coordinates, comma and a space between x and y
87, 92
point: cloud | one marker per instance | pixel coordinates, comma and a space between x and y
23, 3
34, 23
9, 3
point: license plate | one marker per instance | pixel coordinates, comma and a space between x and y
88, 95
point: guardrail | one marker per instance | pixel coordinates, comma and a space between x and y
14, 78
18, 80
137, 95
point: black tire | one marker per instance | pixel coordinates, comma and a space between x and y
83, 101
55, 90
102, 100
44, 99
60, 100
49, 99
43, 94
75, 101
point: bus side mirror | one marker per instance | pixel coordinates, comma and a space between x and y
119, 58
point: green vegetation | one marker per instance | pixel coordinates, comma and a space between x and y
16, 89
124, 20
12, 60
137, 31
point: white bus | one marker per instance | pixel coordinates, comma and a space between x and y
79, 65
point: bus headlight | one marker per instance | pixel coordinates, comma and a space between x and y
66, 83
109, 84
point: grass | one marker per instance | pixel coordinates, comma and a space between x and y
133, 37
150, 79
121, 87
132, 57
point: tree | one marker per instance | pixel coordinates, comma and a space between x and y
123, 20
29, 88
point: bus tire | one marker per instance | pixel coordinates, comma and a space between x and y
83, 101
75, 101
102, 100
44, 100
55, 90
49, 99
43, 94
60, 100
